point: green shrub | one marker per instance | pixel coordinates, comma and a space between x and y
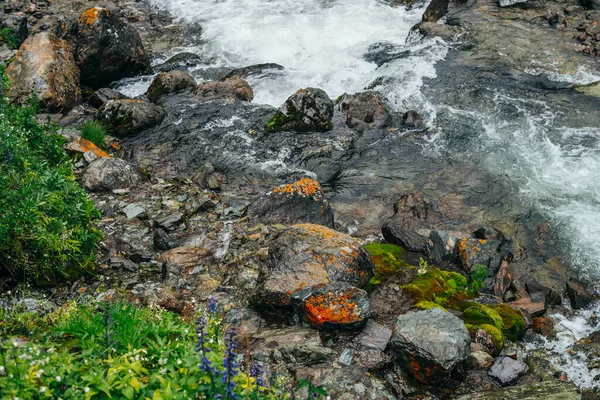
46, 230
6, 36
95, 132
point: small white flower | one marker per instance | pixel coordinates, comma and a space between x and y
2, 370
58, 378
43, 389
178, 362
86, 390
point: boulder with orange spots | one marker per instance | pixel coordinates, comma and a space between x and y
333, 307
298, 202
44, 66
128, 117
307, 255
430, 344
106, 48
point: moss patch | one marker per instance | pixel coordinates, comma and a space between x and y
277, 121
387, 259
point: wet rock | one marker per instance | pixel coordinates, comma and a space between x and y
165, 83
510, 3
373, 360
534, 309
473, 252
436, 10
307, 255
485, 342
412, 119
480, 360
333, 307
106, 49
544, 326
181, 61
44, 66
403, 228
184, 256
578, 295
107, 174
442, 246
305, 111
550, 390
258, 70
103, 95
128, 117
374, 337
433, 29
231, 90
404, 236
503, 280
363, 111
429, 344
162, 241
134, 211
507, 370
17, 25
298, 202
170, 222
292, 345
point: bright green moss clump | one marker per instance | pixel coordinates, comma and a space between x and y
277, 121
447, 289
387, 259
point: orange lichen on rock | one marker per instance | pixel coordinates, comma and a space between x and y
305, 187
90, 15
333, 308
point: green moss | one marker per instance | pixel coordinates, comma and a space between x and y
426, 305
277, 121
477, 314
387, 259
441, 287
514, 323
495, 333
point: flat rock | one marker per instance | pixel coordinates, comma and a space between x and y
374, 337
109, 174
507, 370
184, 257
550, 390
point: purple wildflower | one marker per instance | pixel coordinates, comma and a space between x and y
212, 306
201, 347
257, 372
230, 364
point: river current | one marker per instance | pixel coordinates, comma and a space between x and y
548, 153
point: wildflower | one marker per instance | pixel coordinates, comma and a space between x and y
58, 379
43, 389
2, 370
178, 362
201, 347
257, 371
230, 365
212, 306
86, 390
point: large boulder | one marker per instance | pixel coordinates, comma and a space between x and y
363, 111
106, 174
230, 90
298, 202
165, 83
106, 49
44, 66
549, 390
307, 255
430, 344
333, 307
128, 117
307, 110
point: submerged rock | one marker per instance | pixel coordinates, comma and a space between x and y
230, 90
165, 83
578, 295
333, 307
364, 111
306, 110
128, 117
507, 370
180, 61
298, 202
44, 66
106, 49
107, 174
429, 344
308, 255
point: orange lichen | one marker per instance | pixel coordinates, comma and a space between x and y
305, 187
90, 15
336, 308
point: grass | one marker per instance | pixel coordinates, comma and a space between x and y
95, 132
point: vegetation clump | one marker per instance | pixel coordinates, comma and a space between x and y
95, 132
47, 219
387, 260
7, 37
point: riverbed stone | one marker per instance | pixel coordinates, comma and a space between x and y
578, 294
166, 83
307, 110
106, 174
549, 390
103, 95
128, 117
44, 66
230, 90
507, 370
302, 201
363, 111
306, 255
429, 344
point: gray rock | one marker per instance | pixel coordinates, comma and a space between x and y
429, 344
443, 245
170, 82
231, 90
128, 117
305, 111
170, 222
90, 156
374, 337
346, 357
507, 370
103, 95
255, 71
509, 3
181, 61
134, 211
550, 390
406, 237
480, 360
578, 295
162, 240
363, 111
106, 174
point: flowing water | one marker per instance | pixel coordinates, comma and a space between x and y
545, 143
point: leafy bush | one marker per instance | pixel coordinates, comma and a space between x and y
116, 350
46, 230
95, 132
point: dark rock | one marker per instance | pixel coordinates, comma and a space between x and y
404, 226
107, 174
590, 4
162, 240
44, 67
578, 295
436, 10
429, 344
231, 90
165, 83
550, 390
17, 25
363, 111
123, 264
128, 117
301, 201
182, 61
103, 95
473, 252
485, 233
412, 119
258, 70
170, 222
332, 307
374, 337
307, 255
404, 236
373, 360
382, 53
442, 246
305, 111
534, 309
106, 49
507, 370
544, 326
503, 280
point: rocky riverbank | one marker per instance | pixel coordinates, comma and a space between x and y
319, 227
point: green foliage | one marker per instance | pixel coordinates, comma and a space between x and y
387, 259
277, 121
6, 36
313, 392
514, 323
423, 266
478, 314
95, 132
480, 274
46, 225
119, 351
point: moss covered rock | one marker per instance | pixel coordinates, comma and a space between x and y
307, 110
